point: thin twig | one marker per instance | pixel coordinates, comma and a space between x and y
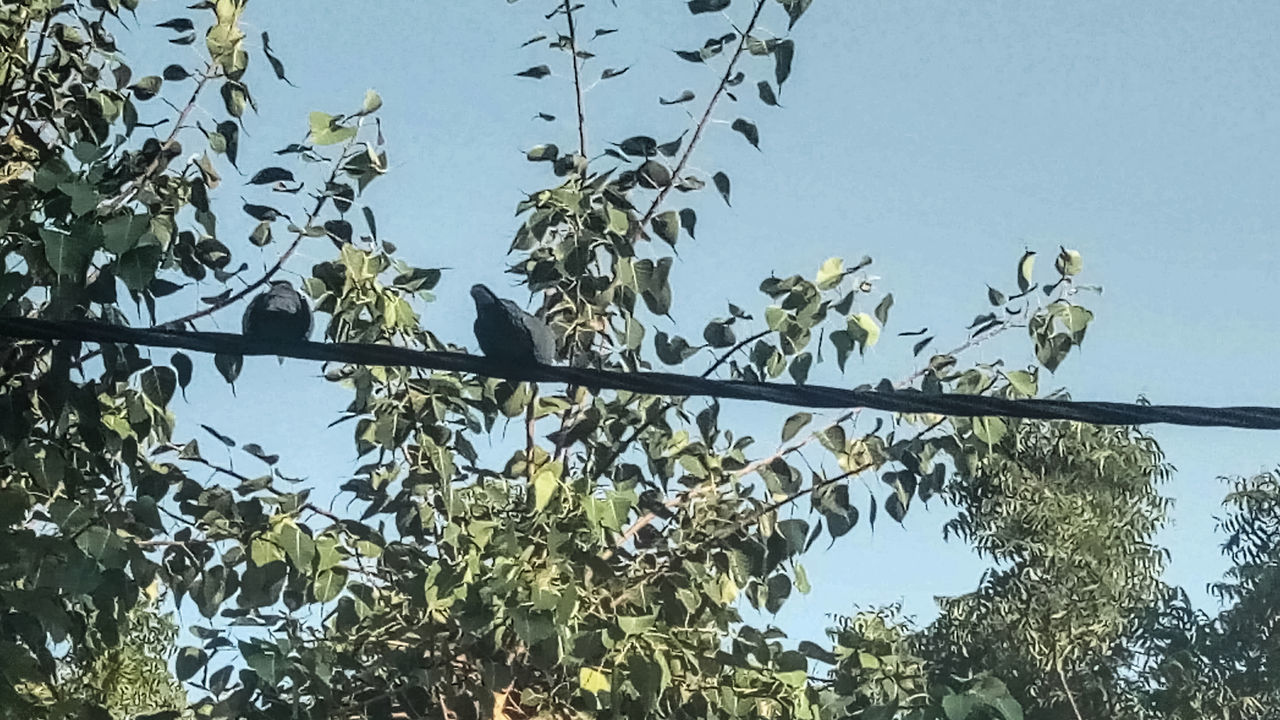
577, 79
706, 118
275, 267
28, 79
131, 188
785, 450
846, 416
777, 505
626, 444
721, 360
1066, 689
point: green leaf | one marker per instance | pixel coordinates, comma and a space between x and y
667, 226
417, 279
189, 661
864, 331
298, 546
269, 175
264, 550
748, 130
228, 366
182, 364
230, 134
593, 680
234, 98
264, 659
276, 66
67, 255
639, 146
882, 309
830, 274
844, 344
536, 72
794, 424
84, 196
545, 483
137, 268
548, 153
1023, 382
783, 53
800, 367
1051, 350
802, 575
636, 624
672, 350
1069, 262
158, 384
718, 334
688, 219
721, 182
122, 232
326, 129
261, 235
990, 430
706, 6
633, 335
653, 175
1025, 266
330, 583
995, 297
766, 93
372, 102
147, 87
779, 589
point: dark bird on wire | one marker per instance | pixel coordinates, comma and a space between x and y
506, 332
280, 313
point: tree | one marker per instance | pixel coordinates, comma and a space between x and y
594, 571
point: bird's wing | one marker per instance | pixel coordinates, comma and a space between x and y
256, 306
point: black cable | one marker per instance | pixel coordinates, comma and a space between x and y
655, 383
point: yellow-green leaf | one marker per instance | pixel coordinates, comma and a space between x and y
830, 273
593, 680
545, 482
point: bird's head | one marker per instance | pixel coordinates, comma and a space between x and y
483, 295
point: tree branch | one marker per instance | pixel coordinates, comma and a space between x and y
1062, 676
706, 117
132, 187
275, 267
577, 79
28, 78
785, 450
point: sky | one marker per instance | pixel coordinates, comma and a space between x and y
940, 138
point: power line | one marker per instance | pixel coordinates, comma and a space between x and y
655, 383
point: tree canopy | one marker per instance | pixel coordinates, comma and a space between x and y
596, 566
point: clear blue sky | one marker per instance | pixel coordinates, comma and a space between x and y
941, 138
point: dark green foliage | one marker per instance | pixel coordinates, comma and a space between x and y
595, 571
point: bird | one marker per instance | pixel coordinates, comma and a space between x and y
280, 313
508, 333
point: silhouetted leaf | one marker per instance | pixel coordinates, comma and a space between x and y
537, 72
706, 6
722, 184
766, 93
683, 97
270, 175
639, 146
